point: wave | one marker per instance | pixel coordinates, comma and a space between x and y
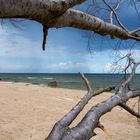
31, 77
48, 78
70, 81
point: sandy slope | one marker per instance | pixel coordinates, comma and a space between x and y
28, 112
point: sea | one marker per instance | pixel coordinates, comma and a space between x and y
70, 80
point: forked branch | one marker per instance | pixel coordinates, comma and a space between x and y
113, 11
62, 126
84, 130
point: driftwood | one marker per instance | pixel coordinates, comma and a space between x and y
84, 130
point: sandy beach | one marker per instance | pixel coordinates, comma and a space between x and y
28, 112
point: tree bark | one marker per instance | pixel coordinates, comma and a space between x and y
84, 130
57, 14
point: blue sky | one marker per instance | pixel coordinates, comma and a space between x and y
66, 49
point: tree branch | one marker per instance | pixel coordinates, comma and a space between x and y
71, 3
131, 75
111, 13
130, 110
120, 24
55, 14
135, 30
87, 83
63, 124
81, 20
134, 37
85, 129
39, 10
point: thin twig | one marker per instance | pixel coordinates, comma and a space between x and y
120, 24
111, 13
135, 30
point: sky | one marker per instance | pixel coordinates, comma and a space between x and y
67, 49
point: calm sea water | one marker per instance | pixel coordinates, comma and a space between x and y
71, 81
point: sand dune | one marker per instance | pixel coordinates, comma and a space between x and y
28, 112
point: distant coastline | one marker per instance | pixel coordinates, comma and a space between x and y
68, 80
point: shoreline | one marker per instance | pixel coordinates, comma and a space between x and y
29, 113
40, 85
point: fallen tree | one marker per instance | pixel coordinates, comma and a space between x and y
58, 14
84, 130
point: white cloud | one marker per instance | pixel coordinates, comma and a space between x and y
134, 52
31, 58
114, 67
119, 66
72, 66
61, 65
108, 67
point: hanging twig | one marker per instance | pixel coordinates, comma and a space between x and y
45, 34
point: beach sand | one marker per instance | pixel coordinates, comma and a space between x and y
28, 112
